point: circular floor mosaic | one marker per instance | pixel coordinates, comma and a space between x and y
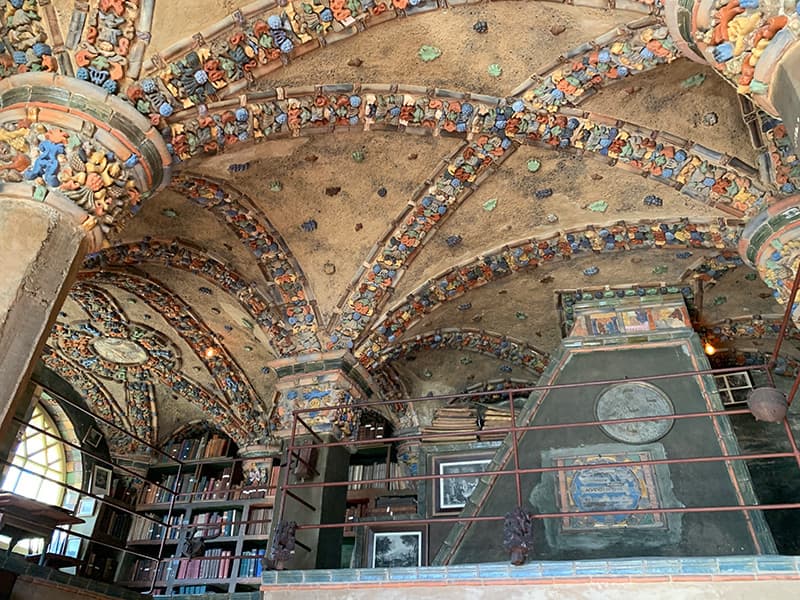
631, 400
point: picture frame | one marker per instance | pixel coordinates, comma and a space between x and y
448, 495
86, 507
396, 548
93, 437
73, 547
101, 481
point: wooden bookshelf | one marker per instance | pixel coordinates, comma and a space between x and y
213, 499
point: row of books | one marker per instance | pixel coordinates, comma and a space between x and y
190, 589
196, 449
452, 424
251, 567
214, 488
152, 494
144, 529
264, 515
358, 473
370, 431
100, 566
189, 488
113, 522
142, 570
217, 568
223, 522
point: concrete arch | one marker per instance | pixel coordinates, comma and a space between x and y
297, 329
530, 253
242, 404
98, 399
494, 127
502, 347
258, 39
185, 256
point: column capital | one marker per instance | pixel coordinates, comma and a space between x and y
71, 144
319, 380
770, 243
745, 40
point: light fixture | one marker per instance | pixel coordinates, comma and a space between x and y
709, 349
211, 352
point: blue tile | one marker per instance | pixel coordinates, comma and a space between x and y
403, 574
462, 572
591, 567
344, 575
317, 576
288, 577
625, 567
775, 564
699, 566
531, 570
373, 575
432, 573
269, 577
737, 564
494, 571
558, 569
663, 566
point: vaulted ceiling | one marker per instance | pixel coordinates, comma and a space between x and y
357, 238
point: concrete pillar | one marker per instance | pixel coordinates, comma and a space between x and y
316, 381
41, 249
76, 164
752, 43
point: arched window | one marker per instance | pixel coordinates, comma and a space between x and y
43, 456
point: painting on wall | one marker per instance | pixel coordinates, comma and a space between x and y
396, 549
453, 489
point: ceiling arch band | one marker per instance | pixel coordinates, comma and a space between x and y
242, 405
530, 253
180, 254
300, 317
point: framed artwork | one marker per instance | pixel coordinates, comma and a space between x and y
396, 549
101, 481
92, 437
86, 507
70, 500
451, 493
73, 548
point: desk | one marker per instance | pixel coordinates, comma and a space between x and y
22, 518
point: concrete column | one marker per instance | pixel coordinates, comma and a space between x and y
752, 43
41, 249
316, 381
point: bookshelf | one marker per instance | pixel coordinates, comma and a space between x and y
366, 501
214, 498
111, 527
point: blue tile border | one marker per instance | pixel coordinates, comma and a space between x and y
694, 566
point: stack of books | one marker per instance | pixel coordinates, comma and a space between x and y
452, 424
493, 417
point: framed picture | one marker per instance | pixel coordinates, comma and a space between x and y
73, 548
86, 507
70, 500
101, 481
451, 493
396, 549
93, 437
